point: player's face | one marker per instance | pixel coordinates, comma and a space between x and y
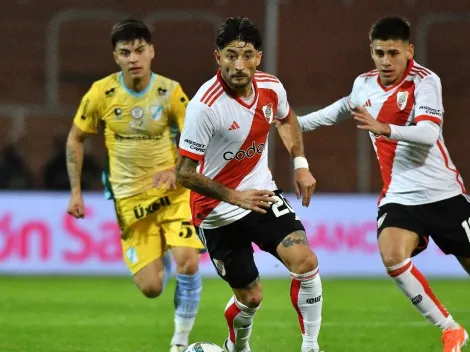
134, 58
391, 59
238, 62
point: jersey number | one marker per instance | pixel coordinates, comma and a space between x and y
282, 207
466, 227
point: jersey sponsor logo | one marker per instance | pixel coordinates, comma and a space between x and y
137, 112
140, 211
109, 93
198, 147
430, 111
162, 91
219, 265
156, 112
268, 112
402, 98
250, 152
118, 137
118, 113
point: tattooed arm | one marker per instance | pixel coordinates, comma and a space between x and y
187, 175
74, 156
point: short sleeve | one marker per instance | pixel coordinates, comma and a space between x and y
178, 103
428, 100
283, 107
88, 114
198, 129
358, 96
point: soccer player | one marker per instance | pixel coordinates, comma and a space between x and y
141, 112
234, 200
400, 104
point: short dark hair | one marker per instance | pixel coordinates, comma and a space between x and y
390, 28
238, 28
129, 30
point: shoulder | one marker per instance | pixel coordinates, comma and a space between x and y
365, 78
267, 81
422, 75
164, 84
208, 94
106, 85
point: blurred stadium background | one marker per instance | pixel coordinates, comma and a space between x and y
54, 50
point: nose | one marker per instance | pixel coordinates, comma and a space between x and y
239, 64
133, 57
385, 60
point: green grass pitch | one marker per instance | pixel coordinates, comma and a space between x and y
59, 314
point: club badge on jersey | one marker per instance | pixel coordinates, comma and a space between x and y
268, 112
402, 98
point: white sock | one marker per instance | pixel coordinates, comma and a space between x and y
415, 286
306, 296
240, 323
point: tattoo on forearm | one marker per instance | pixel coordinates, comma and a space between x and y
74, 166
295, 238
204, 185
186, 175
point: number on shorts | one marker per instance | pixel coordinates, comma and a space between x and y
278, 207
466, 227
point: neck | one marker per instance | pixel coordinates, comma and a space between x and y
137, 84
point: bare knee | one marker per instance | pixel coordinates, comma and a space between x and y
396, 245
187, 260
151, 288
296, 254
250, 296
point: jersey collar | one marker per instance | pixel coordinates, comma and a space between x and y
230, 92
134, 93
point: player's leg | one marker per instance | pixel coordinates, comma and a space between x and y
145, 254
185, 246
143, 247
402, 234
188, 279
451, 232
232, 255
282, 234
306, 286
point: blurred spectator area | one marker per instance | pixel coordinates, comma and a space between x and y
321, 47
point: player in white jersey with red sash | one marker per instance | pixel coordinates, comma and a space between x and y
234, 200
400, 104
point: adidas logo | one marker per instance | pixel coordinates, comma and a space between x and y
234, 126
368, 103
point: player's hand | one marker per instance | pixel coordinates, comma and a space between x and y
367, 122
304, 185
76, 206
165, 177
253, 199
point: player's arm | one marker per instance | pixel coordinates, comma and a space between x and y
85, 124
428, 117
195, 137
289, 131
337, 112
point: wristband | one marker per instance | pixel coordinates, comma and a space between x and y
300, 163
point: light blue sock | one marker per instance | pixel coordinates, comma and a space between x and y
167, 258
187, 297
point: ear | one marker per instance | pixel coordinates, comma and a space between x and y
259, 55
152, 51
410, 53
115, 56
217, 56
371, 50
